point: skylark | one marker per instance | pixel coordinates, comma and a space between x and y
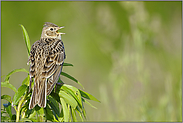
46, 60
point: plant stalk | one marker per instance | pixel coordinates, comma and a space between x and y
19, 107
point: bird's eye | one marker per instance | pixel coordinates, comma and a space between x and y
51, 29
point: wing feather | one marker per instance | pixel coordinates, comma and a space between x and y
55, 61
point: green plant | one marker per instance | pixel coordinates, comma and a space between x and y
62, 103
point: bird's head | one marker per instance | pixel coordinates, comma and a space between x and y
50, 30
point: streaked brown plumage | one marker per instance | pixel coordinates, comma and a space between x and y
46, 60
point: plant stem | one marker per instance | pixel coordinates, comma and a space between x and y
15, 108
19, 107
23, 114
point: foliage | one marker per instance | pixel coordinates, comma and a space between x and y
129, 51
62, 103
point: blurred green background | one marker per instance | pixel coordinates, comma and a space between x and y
126, 54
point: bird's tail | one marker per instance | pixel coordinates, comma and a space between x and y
39, 93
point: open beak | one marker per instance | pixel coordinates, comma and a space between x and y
60, 28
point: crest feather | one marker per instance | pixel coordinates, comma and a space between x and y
48, 24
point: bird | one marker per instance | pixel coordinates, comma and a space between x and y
46, 61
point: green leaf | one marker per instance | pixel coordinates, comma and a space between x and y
34, 119
14, 71
60, 119
6, 97
70, 77
48, 113
88, 96
74, 92
68, 107
73, 113
67, 64
54, 119
68, 99
55, 96
32, 115
54, 105
18, 94
84, 112
24, 119
40, 113
8, 108
26, 38
80, 113
65, 110
88, 103
8, 85
26, 81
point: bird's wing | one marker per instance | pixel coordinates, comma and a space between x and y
53, 64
